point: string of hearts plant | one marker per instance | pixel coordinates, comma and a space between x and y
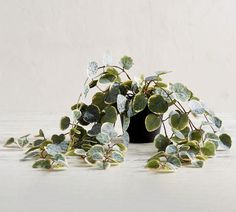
90, 135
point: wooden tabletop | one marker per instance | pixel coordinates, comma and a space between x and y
128, 187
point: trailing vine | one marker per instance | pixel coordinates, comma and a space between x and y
192, 135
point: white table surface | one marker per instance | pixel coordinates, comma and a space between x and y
128, 187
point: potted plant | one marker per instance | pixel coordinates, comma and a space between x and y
143, 105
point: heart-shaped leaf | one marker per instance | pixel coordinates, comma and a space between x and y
111, 95
139, 102
152, 122
109, 115
161, 142
226, 140
181, 92
179, 120
153, 164
174, 160
171, 149
157, 104
99, 100
208, 149
196, 107
65, 123
107, 78
126, 62
92, 114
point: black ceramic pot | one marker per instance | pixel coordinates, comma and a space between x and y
137, 130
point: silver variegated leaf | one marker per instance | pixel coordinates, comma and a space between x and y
196, 107
80, 152
53, 149
103, 138
117, 156
92, 69
108, 129
121, 103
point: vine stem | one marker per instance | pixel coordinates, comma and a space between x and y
123, 70
179, 106
164, 126
210, 125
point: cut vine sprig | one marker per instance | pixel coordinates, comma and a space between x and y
91, 135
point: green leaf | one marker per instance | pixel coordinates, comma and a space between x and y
126, 62
179, 120
171, 149
110, 114
212, 137
99, 100
37, 142
65, 123
226, 140
46, 164
59, 157
196, 107
111, 95
153, 164
107, 78
161, 142
96, 128
112, 71
139, 102
9, 142
181, 92
93, 83
58, 138
195, 135
117, 156
40, 134
174, 160
152, 122
92, 114
194, 146
157, 104
209, 148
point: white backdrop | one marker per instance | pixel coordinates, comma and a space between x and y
45, 46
